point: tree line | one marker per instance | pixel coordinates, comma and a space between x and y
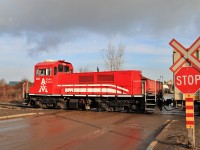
9, 93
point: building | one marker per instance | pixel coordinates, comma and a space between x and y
12, 83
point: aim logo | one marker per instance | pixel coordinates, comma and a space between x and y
43, 87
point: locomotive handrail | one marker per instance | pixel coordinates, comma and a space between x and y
116, 89
25, 89
141, 82
155, 90
145, 91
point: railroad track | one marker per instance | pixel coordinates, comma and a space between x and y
14, 106
4, 105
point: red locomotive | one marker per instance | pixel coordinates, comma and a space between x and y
55, 85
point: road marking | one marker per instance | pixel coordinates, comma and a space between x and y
20, 115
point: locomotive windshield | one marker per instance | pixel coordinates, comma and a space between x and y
63, 68
66, 69
60, 68
43, 72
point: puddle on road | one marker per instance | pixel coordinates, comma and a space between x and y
11, 120
12, 124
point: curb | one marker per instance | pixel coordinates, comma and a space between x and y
19, 115
166, 126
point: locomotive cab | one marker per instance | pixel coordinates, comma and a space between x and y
47, 75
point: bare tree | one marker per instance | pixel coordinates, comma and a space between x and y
119, 57
25, 79
83, 69
2, 81
114, 58
110, 57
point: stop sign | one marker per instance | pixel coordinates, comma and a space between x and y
187, 80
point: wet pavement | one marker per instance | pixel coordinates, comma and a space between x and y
175, 136
78, 130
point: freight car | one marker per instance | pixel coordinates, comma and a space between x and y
56, 85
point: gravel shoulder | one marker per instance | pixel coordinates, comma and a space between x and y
174, 136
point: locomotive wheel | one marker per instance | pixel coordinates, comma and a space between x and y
61, 105
42, 105
32, 103
111, 109
104, 106
81, 104
138, 108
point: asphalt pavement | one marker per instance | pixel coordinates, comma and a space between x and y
163, 130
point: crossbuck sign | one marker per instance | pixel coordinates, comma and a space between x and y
186, 55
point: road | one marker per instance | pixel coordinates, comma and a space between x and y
78, 130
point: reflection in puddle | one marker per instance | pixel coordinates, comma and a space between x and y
12, 124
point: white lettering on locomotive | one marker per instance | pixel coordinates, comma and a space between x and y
43, 87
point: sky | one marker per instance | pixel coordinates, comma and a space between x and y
78, 31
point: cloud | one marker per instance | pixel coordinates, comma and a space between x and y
147, 50
48, 23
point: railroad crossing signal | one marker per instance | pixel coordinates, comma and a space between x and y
186, 55
187, 80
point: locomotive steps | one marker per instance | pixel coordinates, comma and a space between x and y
150, 103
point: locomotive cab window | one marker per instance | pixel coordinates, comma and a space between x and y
48, 71
43, 72
37, 72
66, 69
63, 68
55, 70
60, 68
